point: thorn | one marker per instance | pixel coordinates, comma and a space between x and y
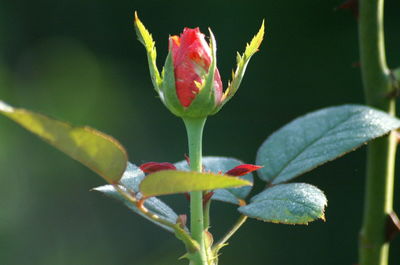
356, 64
185, 256
242, 202
395, 92
397, 135
187, 195
207, 197
182, 220
140, 203
392, 226
208, 238
187, 158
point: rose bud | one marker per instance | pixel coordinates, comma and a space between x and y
190, 85
192, 59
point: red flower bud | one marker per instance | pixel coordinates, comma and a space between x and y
192, 58
152, 167
190, 85
242, 170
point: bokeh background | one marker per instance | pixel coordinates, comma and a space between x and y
80, 61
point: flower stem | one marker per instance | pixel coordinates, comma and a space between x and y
373, 247
194, 128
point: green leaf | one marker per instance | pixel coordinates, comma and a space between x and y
173, 181
146, 39
294, 203
131, 180
217, 164
94, 149
242, 62
319, 137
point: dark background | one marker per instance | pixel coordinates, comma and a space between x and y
80, 61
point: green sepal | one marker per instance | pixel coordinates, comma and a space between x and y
169, 96
242, 61
204, 102
146, 39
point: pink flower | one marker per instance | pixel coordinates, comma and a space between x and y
192, 58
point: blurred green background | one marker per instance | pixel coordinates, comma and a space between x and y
80, 61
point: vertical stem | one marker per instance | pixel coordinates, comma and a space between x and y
194, 128
207, 215
373, 248
375, 73
242, 219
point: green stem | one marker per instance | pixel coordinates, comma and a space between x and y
207, 215
373, 248
194, 128
242, 219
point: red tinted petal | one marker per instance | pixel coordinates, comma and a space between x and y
186, 88
192, 59
242, 170
190, 36
196, 47
174, 43
152, 167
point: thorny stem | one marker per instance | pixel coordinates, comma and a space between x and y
373, 248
